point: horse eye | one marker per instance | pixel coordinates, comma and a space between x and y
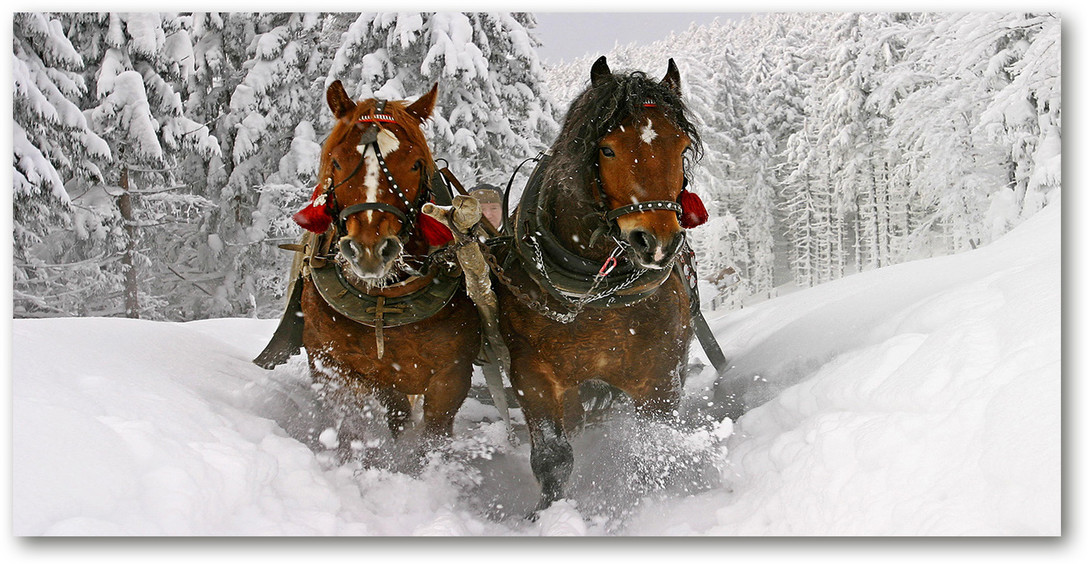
335, 164
608, 152
418, 165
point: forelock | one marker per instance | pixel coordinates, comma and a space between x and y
604, 107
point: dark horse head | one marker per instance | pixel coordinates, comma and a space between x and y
375, 174
625, 144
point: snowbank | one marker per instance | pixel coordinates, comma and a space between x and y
920, 399
927, 402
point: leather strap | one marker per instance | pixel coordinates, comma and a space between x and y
373, 206
612, 215
564, 274
685, 267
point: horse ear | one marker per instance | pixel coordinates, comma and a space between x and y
672, 77
424, 106
599, 72
339, 102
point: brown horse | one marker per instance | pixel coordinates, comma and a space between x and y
382, 315
590, 291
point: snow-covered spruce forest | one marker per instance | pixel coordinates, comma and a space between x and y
158, 157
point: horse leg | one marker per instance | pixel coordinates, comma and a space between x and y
552, 457
397, 409
444, 396
660, 401
574, 413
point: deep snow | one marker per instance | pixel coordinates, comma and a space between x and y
919, 399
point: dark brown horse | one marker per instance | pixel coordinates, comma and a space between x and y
382, 316
590, 290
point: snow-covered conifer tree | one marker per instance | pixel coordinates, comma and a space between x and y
125, 178
140, 61
492, 110
799, 207
1024, 69
53, 143
266, 98
758, 218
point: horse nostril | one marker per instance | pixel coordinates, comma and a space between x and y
348, 248
389, 249
642, 241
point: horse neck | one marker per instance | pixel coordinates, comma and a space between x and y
572, 211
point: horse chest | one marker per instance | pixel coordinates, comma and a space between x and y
410, 356
651, 335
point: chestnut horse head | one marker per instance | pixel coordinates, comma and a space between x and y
375, 175
633, 136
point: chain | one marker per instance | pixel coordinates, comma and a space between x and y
510, 285
576, 306
580, 304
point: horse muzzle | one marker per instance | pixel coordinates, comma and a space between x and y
652, 251
371, 262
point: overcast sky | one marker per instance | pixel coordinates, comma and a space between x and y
569, 35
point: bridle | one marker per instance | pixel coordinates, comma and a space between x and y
567, 276
410, 213
611, 216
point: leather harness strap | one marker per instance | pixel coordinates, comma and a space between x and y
373, 206
615, 214
565, 275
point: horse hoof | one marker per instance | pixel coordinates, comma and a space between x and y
545, 503
534, 515
561, 518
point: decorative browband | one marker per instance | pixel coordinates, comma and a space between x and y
373, 118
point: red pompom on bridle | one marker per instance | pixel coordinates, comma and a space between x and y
316, 216
692, 211
434, 232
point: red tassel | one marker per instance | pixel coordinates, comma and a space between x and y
435, 233
693, 212
315, 216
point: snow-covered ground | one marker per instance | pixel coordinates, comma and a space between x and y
920, 399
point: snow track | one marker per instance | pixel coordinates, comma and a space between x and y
920, 399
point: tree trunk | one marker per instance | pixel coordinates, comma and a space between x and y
128, 260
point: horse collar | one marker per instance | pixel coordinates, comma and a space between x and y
568, 276
435, 290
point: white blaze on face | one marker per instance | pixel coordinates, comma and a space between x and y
370, 180
387, 144
648, 133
